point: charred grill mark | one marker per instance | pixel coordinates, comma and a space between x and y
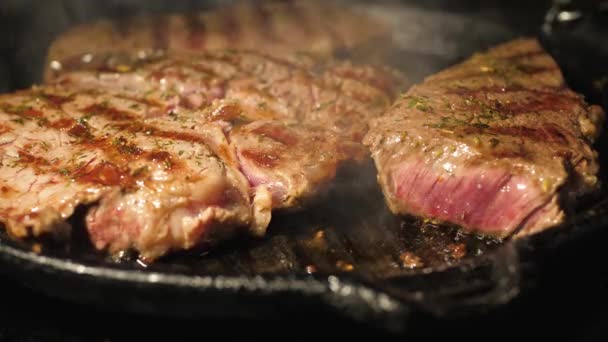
108, 172
120, 152
56, 101
321, 84
234, 61
116, 151
22, 111
105, 173
555, 134
546, 133
541, 102
264, 159
153, 131
525, 54
139, 100
196, 31
81, 130
109, 112
36, 162
166, 70
276, 133
532, 101
177, 136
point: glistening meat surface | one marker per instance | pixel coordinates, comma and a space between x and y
290, 123
498, 144
154, 189
182, 152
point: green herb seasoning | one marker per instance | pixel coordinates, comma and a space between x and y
420, 103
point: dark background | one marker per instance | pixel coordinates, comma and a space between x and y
572, 311
571, 300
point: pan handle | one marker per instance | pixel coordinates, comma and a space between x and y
565, 13
575, 32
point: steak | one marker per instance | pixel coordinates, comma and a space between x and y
497, 144
317, 28
183, 152
290, 123
154, 189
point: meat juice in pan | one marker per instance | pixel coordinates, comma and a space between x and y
248, 132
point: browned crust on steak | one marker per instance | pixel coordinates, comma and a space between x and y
266, 132
504, 113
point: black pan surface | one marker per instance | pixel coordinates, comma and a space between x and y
347, 256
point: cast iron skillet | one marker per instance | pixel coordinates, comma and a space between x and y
347, 255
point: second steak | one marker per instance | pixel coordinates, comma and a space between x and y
498, 144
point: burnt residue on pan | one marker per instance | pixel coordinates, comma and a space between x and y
350, 230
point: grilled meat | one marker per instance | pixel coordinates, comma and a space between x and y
279, 28
340, 96
156, 189
181, 152
498, 144
294, 121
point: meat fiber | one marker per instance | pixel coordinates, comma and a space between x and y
290, 123
155, 189
182, 152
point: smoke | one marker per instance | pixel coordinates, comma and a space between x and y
431, 35
428, 35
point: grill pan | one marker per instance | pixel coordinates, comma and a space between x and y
346, 256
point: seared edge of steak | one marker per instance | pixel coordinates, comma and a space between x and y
220, 140
157, 189
290, 123
294, 162
498, 144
